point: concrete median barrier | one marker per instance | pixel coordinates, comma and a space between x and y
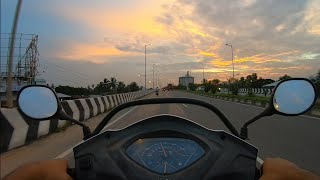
17, 130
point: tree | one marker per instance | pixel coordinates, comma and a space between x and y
316, 81
192, 86
133, 87
215, 85
284, 77
233, 85
72, 91
114, 84
204, 81
121, 88
182, 87
215, 82
251, 80
207, 86
105, 80
242, 82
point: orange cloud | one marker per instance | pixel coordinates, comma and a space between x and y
312, 17
221, 63
137, 19
96, 53
207, 54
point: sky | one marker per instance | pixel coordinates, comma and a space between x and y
81, 42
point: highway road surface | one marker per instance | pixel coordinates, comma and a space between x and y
294, 138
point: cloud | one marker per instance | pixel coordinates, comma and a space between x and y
269, 37
96, 53
263, 33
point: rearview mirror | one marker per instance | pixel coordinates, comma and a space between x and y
41, 103
38, 102
291, 97
294, 96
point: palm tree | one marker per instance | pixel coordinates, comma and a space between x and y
114, 84
121, 87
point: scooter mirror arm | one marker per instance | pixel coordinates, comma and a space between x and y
85, 129
244, 130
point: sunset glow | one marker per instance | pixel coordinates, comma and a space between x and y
182, 33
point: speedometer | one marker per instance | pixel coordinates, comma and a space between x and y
165, 155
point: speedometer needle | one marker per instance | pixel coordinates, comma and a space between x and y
165, 167
164, 152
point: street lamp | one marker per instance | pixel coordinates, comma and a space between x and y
153, 76
145, 65
202, 72
157, 64
232, 59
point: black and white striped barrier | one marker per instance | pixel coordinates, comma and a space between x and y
257, 91
17, 130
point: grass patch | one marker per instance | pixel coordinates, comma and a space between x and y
63, 128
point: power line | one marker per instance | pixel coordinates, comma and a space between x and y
63, 67
67, 72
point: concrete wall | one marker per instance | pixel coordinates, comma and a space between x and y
17, 130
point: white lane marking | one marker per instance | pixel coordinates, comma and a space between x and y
184, 105
64, 154
260, 161
264, 108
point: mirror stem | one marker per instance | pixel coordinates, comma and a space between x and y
244, 130
85, 129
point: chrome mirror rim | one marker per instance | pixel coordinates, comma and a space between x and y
297, 114
59, 107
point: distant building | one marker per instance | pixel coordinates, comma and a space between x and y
186, 80
40, 81
17, 83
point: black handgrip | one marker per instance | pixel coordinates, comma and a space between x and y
258, 173
72, 173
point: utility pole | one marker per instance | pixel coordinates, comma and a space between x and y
153, 76
203, 74
10, 60
232, 59
145, 65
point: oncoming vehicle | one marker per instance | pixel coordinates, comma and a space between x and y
167, 146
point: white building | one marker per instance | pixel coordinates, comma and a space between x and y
17, 84
186, 80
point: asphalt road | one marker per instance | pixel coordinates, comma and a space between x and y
294, 138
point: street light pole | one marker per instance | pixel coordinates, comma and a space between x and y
153, 76
203, 74
11, 53
145, 65
232, 59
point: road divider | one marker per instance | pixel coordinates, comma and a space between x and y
17, 130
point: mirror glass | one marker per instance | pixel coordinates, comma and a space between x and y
38, 102
294, 96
